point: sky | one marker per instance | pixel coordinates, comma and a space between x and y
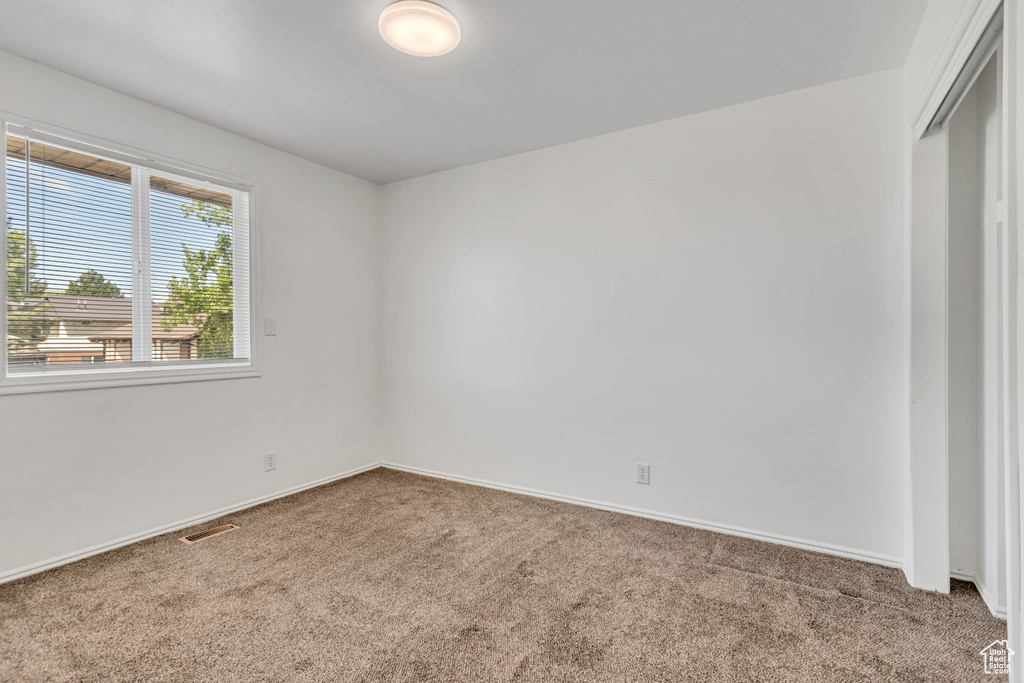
80, 222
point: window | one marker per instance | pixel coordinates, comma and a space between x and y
117, 266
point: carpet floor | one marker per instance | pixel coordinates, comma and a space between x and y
389, 576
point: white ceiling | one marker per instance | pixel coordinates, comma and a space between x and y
315, 78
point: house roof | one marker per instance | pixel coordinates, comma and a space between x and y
124, 332
97, 309
90, 308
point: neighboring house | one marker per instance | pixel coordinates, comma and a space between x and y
177, 344
92, 329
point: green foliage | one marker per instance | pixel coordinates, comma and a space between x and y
204, 297
16, 266
211, 214
27, 320
91, 283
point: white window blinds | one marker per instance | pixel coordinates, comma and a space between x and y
114, 264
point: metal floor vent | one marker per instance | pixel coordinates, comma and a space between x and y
207, 533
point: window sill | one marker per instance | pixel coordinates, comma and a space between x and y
101, 379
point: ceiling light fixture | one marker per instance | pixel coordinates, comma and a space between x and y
419, 28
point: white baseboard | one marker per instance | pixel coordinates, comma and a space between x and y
997, 610
826, 548
37, 567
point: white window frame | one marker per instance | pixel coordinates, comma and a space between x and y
113, 375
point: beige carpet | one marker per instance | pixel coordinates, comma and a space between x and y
394, 577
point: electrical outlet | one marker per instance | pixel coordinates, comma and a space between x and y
270, 461
270, 327
643, 473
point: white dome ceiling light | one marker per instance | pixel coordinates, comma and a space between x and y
419, 28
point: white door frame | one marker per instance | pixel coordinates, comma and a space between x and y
926, 546
1013, 215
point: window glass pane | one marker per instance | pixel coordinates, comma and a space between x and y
69, 257
192, 268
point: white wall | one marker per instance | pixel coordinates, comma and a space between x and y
83, 468
720, 296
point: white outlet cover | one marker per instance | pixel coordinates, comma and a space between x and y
270, 461
643, 473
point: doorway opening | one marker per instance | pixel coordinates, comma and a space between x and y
976, 481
